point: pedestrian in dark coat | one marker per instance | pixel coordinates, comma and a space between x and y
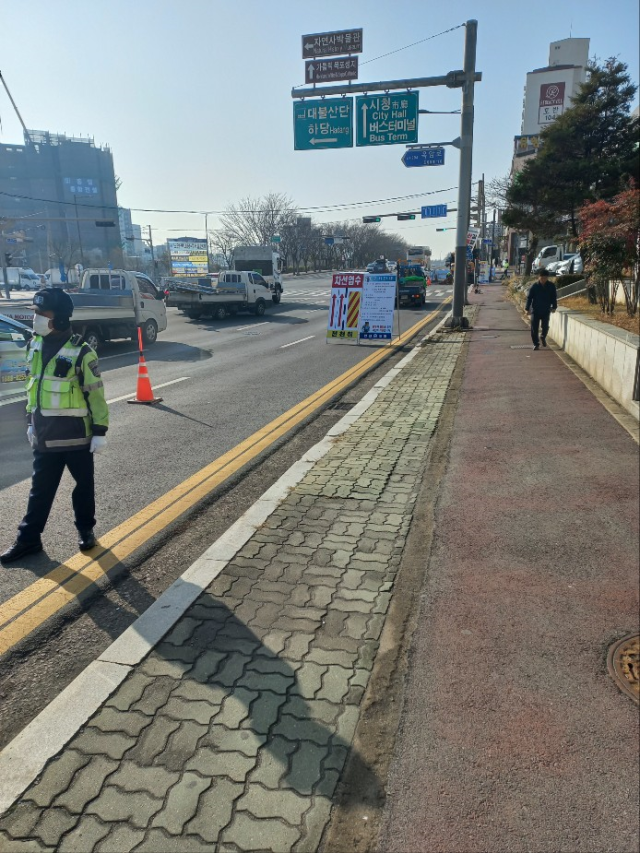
542, 301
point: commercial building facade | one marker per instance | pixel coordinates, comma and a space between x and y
53, 190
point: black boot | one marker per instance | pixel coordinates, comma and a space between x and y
20, 549
86, 540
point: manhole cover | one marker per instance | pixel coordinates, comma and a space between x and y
623, 662
522, 346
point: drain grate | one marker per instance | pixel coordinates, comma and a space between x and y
522, 346
342, 406
623, 662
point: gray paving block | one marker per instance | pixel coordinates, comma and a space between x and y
324, 712
214, 810
235, 708
335, 684
154, 780
158, 841
52, 825
305, 767
114, 806
308, 680
211, 763
243, 740
87, 784
181, 803
264, 711
181, 743
314, 824
94, 742
296, 729
153, 740
155, 666
207, 665
249, 833
86, 835
56, 777
273, 761
121, 839
274, 681
178, 708
111, 720
267, 803
130, 691
21, 819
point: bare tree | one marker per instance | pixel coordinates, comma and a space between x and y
255, 221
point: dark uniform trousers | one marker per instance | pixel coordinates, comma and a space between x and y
536, 320
47, 472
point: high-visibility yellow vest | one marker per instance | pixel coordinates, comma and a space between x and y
62, 409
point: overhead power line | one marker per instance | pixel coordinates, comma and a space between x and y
327, 208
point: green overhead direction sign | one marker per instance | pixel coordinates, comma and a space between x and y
323, 123
390, 119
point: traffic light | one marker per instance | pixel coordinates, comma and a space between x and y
105, 223
404, 216
445, 229
368, 219
8, 257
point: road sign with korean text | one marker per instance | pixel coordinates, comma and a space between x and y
378, 307
344, 307
423, 157
331, 70
387, 119
331, 44
326, 123
433, 211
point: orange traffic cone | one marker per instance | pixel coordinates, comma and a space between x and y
144, 392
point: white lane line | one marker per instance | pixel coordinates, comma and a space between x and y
293, 343
163, 385
118, 355
252, 326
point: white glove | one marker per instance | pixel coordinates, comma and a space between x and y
98, 444
31, 436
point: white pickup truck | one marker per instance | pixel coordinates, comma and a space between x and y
109, 304
233, 292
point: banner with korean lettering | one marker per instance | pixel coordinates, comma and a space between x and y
344, 307
378, 307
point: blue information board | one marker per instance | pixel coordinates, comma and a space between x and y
326, 123
434, 211
423, 157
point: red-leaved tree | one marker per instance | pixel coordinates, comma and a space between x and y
610, 246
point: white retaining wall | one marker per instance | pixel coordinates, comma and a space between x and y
608, 354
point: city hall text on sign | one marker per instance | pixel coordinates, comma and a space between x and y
387, 119
323, 123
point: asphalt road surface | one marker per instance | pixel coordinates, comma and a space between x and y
220, 383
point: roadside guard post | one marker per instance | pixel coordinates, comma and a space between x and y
144, 392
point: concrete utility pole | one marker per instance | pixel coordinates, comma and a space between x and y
153, 257
458, 320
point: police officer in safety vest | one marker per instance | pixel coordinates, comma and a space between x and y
68, 420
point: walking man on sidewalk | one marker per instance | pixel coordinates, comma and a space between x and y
542, 300
68, 420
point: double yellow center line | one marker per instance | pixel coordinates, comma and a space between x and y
29, 609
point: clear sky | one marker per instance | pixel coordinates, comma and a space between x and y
193, 96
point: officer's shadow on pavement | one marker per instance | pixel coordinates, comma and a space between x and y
260, 703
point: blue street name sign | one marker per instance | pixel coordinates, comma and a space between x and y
326, 123
387, 119
433, 211
487, 241
423, 157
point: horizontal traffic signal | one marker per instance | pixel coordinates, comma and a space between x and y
369, 219
404, 216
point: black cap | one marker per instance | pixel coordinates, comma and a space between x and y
55, 300
544, 272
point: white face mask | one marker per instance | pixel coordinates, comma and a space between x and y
41, 324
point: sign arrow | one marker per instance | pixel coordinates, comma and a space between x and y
309, 46
333, 308
365, 109
312, 69
322, 141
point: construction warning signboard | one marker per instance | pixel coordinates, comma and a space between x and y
377, 308
344, 306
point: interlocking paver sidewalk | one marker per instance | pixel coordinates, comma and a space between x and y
232, 733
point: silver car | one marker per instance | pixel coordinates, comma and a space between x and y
14, 337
